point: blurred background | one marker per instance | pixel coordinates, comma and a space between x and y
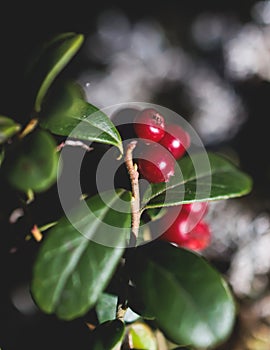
208, 61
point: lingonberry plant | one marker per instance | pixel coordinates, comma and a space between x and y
126, 261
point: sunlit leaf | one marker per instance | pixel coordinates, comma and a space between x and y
106, 307
141, 337
72, 269
201, 177
67, 113
131, 316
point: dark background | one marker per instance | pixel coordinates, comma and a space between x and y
24, 27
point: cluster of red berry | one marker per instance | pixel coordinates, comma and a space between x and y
157, 164
183, 225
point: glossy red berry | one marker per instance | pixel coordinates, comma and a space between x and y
176, 140
175, 224
184, 230
149, 124
198, 209
156, 164
199, 237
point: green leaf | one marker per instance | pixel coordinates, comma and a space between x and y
131, 316
2, 155
8, 128
72, 270
136, 303
108, 335
35, 164
141, 337
106, 307
156, 213
67, 113
191, 301
201, 177
53, 56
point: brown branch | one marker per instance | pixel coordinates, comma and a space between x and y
135, 201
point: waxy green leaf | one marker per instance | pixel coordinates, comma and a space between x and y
72, 269
8, 128
136, 304
201, 177
108, 335
50, 61
106, 307
68, 114
141, 336
190, 300
35, 164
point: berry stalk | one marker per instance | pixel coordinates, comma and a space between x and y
135, 201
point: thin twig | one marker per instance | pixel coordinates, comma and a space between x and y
29, 128
73, 144
135, 201
36, 233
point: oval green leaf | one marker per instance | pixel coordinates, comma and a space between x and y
191, 301
67, 113
35, 163
108, 335
8, 128
201, 177
50, 61
71, 269
141, 336
106, 307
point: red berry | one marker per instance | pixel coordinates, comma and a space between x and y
156, 163
176, 140
199, 237
198, 209
175, 224
184, 230
149, 124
